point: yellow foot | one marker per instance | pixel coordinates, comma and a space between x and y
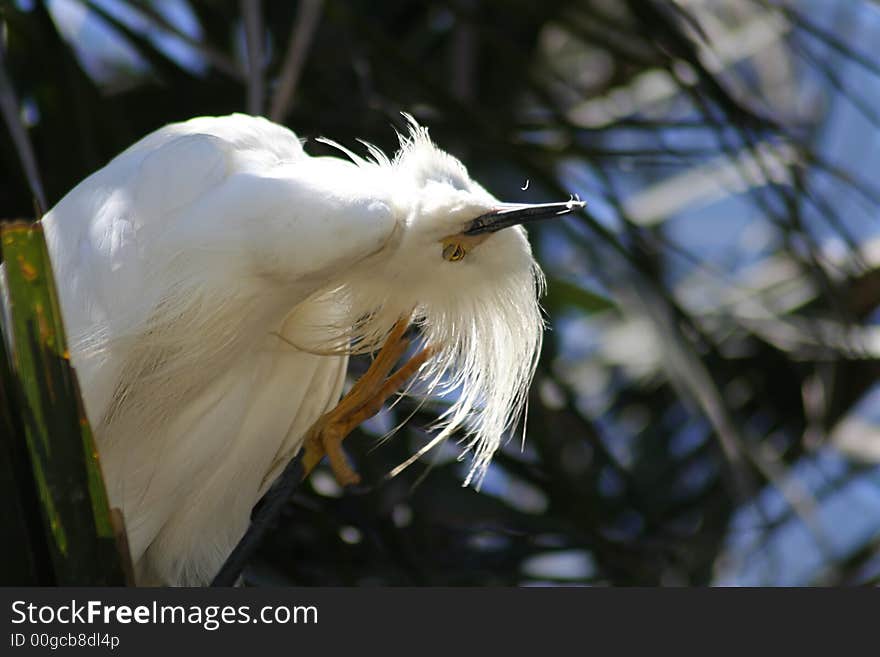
362, 402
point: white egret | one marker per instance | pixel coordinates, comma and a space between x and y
213, 279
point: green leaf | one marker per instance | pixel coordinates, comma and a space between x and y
561, 293
45, 396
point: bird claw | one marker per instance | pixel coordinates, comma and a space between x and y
363, 401
326, 437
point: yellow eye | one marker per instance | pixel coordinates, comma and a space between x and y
453, 252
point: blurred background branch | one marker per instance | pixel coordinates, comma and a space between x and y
9, 108
307, 16
252, 17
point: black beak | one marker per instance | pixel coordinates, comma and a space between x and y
512, 214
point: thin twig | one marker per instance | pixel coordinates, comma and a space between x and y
304, 25
215, 57
10, 108
253, 30
264, 517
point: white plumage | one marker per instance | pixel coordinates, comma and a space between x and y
213, 277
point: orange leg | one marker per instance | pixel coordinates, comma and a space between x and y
362, 402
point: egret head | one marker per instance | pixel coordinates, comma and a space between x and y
460, 262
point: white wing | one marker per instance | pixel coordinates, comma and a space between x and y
176, 264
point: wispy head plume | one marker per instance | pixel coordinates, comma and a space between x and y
482, 317
487, 342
